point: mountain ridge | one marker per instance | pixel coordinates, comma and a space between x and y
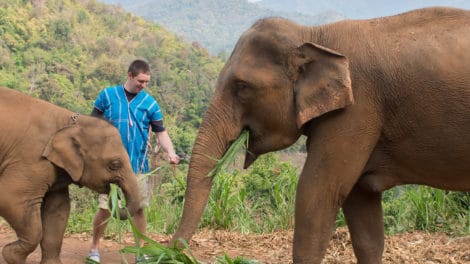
358, 9
214, 24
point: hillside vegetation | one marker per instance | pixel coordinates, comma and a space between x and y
65, 51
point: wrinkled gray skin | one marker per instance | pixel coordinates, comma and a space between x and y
42, 151
383, 102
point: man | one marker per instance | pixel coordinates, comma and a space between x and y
133, 111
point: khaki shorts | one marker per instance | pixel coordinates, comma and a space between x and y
145, 193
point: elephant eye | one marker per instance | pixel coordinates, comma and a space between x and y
241, 84
243, 90
115, 165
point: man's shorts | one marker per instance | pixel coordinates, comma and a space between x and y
145, 193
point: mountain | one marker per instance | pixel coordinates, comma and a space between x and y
215, 24
357, 9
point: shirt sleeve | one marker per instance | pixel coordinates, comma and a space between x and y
156, 113
97, 112
156, 118
157, 126
100, 102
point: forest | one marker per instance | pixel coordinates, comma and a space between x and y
65, 52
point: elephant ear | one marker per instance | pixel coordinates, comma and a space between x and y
323, 84
63, 149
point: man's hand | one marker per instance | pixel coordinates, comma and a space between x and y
173, 158
165, 142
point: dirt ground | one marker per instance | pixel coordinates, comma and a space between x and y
416, 247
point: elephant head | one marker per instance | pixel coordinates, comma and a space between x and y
273, 84
92, 153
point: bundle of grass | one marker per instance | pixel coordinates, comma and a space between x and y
230, 154
225, 259
156, 253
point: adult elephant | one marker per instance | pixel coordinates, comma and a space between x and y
43, 149
383, 102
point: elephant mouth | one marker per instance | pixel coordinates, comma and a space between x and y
250, 157
105, 189
250, 154
261, 141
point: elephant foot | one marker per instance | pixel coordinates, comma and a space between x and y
51, 261
310, 261
15, 253
50, 257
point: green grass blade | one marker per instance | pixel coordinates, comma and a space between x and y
157, 252
230, 154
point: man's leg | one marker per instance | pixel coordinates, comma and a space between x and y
99, 226
139, 219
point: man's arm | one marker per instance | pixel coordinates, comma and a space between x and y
165, 141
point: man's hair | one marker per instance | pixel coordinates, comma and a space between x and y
139, 66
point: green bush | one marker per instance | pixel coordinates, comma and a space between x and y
408, 208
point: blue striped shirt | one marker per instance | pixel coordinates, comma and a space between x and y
132, 120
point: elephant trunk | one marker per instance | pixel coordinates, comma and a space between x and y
216, 134
132, 195
133, 206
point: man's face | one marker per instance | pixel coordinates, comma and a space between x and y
138, 83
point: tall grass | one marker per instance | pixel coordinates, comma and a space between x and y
261, 200
424, 208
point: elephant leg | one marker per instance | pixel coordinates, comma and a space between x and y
313, 223
363, 212
55, 213
321, 191
26, 221
339, 147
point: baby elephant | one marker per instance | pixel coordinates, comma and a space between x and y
43, 149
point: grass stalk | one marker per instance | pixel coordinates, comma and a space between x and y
230, 155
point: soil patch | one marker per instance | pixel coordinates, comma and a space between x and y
275, 248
